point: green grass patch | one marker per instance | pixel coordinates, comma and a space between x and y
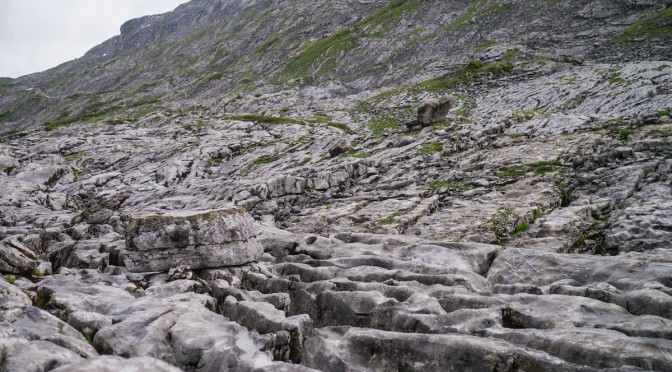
450, 185
214, 76
10, 278
487, 44
519, 171
657, 26
474, 71
259, 161
319, 119
263, 47
661, 134
75, 155
98, 111
430, 148
616, 78
381, 126
306, 160
389, 219
521, 228
624, 133
511, 53
663, 113
354, 154
265, 119
322, 56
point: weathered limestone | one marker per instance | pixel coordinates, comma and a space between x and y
196, 239
15, 257
435, 110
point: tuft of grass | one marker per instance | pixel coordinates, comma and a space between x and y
566, 192
319, 119
519, 171
354, 154
499, 224
624, 133
381, 126
75, 155
88, 335
451, 185
661, 134
389, 219
259, 161
306, 160
263, 47
663, 113
510, 54
521, 228
265, 119
10, 278
430, 148
214, 76
487, 44
615, 78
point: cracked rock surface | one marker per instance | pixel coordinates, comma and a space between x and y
220, 197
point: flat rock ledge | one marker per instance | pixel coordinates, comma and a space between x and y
196, 239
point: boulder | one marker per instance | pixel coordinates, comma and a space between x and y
196, 239
434, 110
339, 147
16, 258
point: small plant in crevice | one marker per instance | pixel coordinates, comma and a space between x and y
10, 278
624, 133
521, 228
566, 191
88, 335
502, 224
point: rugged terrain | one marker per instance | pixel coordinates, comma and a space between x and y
233, 185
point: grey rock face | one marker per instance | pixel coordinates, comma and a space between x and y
199, 239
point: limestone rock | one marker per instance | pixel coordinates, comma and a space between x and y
16, 258
435, 110
108, 363
343, 348
197, 239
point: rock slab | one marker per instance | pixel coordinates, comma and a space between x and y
196, 239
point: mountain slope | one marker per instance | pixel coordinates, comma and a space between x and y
210, 52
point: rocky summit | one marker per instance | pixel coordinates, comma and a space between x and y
480, 185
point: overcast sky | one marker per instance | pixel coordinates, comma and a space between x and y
36, 35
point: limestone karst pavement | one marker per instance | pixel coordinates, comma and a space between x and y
345, 186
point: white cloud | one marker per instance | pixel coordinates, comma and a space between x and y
39, 34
